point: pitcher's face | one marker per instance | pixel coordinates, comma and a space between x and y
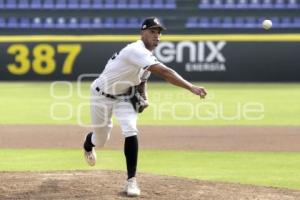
151, 37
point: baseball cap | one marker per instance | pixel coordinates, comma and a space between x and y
152, 22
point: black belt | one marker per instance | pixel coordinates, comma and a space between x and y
110, 95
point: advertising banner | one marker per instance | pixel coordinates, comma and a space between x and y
203, 58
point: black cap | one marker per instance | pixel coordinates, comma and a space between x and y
152, 22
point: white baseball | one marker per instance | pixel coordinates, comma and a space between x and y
267, 24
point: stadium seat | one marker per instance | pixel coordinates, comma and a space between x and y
204, 4
2, 22
12, 22
36, 23
254, 4
2, 4
286, 22
61, 4
217, 4
121, 4
11, 4
61, 23
239, 22
216, 22
133, 22
296, 22
133, 4
85, 22
23, 4
227, 22
279, 4
49, 4
146, 4
73, 4
97, 4
109, 4
36, 4
204, 22
73, 23
158, 4
192, 22
292, 4
242, 4
170, 4
121, 22
24, 23
267, 4
96, 23
87, 4
49, 23
229, 4
108, 22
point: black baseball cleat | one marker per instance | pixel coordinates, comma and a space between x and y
89, 150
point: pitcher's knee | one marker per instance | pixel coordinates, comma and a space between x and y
129, 133
101, 136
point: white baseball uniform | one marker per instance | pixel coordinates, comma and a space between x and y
125, 69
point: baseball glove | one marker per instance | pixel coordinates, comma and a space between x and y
139, 97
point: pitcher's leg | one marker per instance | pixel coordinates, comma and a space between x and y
127, 118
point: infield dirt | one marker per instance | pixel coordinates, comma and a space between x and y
107, 185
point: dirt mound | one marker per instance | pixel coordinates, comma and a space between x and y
107, 185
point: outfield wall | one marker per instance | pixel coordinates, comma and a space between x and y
197, 57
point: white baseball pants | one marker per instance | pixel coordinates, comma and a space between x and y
102, 109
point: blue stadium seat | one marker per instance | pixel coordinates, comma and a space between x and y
216, 22
279, 4
24, 23
254, 4
146, 4
61, 23
204, 4
12, 22
239, 22
49, 4
73, 23
296, 22
204, 22
158, 4
251, 22
36, 23
87, 4
227, 22
217, 4
23, 4
229, 4
11, 4
267, 4
96, 23
121, 22
170, 4
286, 22
133, 4
2, 22
73, 4
109, 4
36, 4
2, 4
292, 4
85, 22
133, 22
192, 22
108, 22
242, 4
97, 4
49, 23
121, 4
61, 4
